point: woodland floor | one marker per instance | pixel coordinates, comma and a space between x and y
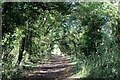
57, 68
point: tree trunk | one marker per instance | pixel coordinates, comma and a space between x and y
21, 50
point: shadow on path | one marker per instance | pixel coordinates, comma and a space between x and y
58, 68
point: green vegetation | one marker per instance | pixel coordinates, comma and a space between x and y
87, 33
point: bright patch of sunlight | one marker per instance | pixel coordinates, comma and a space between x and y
56, 50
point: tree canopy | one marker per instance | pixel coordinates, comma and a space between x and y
87, 32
